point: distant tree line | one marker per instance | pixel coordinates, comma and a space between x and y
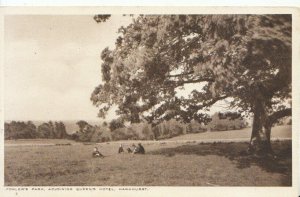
172, 128
116, 129
27, 130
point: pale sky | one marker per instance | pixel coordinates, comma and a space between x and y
52, 65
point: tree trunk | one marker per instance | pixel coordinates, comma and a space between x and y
267, 128
261, 132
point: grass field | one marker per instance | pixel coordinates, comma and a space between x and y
278, 132
165, 164
32, 142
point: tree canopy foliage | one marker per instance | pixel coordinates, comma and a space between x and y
81, 124
243, 57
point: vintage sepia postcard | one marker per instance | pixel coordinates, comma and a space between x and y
149, 101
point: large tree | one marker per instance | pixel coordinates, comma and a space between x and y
82, 124
246, 58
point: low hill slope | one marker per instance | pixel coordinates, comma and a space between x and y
284, 131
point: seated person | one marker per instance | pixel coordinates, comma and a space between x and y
139, 149
121, 150
96, 153
134, 148
129, 150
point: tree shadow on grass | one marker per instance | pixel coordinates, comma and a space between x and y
237, 152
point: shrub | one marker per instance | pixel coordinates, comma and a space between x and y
147, 133
195, 127
124, 134
219, 123
168, 129
93, 134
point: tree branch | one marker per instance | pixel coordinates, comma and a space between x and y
277, 115
182, 74
211, 102
182, 82
196, 81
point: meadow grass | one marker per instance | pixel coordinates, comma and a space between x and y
164, 164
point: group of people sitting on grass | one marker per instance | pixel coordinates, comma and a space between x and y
139, 149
